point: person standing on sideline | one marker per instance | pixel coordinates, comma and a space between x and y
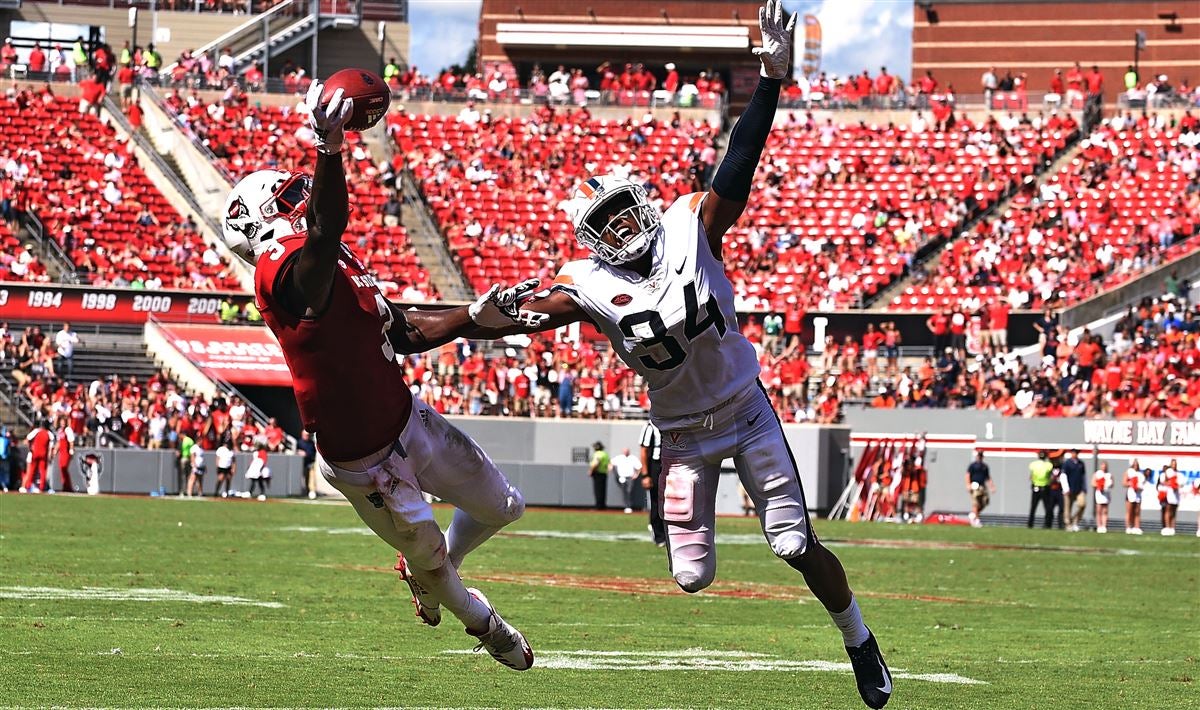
64, 451
40, 441
1135, 481
598, 470
1074, 478
1102, 483
980, 485
651, 469
1041, 472
1169, 483
65, 341
305, 446
772, 326
6, 446
628, 470
196, 470
226, 467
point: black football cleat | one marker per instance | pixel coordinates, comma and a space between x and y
871, 673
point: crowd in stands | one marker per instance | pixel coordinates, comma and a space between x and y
1127, 203
119, 410
84, 184
866, 91
245, 138
494, 183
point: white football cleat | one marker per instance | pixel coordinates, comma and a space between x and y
429, 612
502, 640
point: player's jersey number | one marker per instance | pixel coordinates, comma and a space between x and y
693, 327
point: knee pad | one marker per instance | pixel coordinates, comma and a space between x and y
790, 545
423, 545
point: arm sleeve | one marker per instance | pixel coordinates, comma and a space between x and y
746, 142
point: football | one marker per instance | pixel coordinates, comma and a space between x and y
371, 96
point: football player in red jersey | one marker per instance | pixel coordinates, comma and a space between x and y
341, 339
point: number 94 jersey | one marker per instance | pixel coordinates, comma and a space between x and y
677, 328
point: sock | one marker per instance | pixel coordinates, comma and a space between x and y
850, 623
464, 535
444, 585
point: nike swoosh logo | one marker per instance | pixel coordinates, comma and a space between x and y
680, 269
751, 421
887, 678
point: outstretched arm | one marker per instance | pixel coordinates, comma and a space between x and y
730, 188
554, 311
495, 314
328, 205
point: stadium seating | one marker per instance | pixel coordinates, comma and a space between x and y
505, 179
1117, 209
246, 139
839, 211
90, 194
807, 230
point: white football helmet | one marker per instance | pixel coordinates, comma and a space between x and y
601, 209
264, 206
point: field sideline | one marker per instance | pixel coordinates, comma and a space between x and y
135, 602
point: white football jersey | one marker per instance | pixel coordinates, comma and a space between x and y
677, 328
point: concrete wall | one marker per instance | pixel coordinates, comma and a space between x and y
547, 458
146, 471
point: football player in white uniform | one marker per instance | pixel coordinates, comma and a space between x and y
656, 286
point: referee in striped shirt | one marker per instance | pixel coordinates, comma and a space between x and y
651, 466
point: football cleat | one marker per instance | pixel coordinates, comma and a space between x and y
504, 642
871, 673
429, 613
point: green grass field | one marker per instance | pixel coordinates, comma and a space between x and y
108, 602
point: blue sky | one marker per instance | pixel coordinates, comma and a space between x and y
857, 34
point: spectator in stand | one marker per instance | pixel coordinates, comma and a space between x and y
989, 83
37, 59
671, 82
1135, 481
939, 326
1076, 84
772, 332
65, 342
793, 326
1095, 84
1102, 485
91, 94
1074, 476
1169, 484
8, 56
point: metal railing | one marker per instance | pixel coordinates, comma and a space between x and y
150, 92
33, 224
251, 28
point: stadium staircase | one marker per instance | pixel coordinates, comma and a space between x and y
103, 351
430, 244
934, 251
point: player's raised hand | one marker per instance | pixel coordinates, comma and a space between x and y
777, 39
326, 119
501, 307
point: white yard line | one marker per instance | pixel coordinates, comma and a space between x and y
129, 595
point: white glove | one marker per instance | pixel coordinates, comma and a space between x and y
501, 308
327, 121
777, 40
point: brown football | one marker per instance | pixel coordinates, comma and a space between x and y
371, 96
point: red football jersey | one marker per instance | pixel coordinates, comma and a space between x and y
351, 392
